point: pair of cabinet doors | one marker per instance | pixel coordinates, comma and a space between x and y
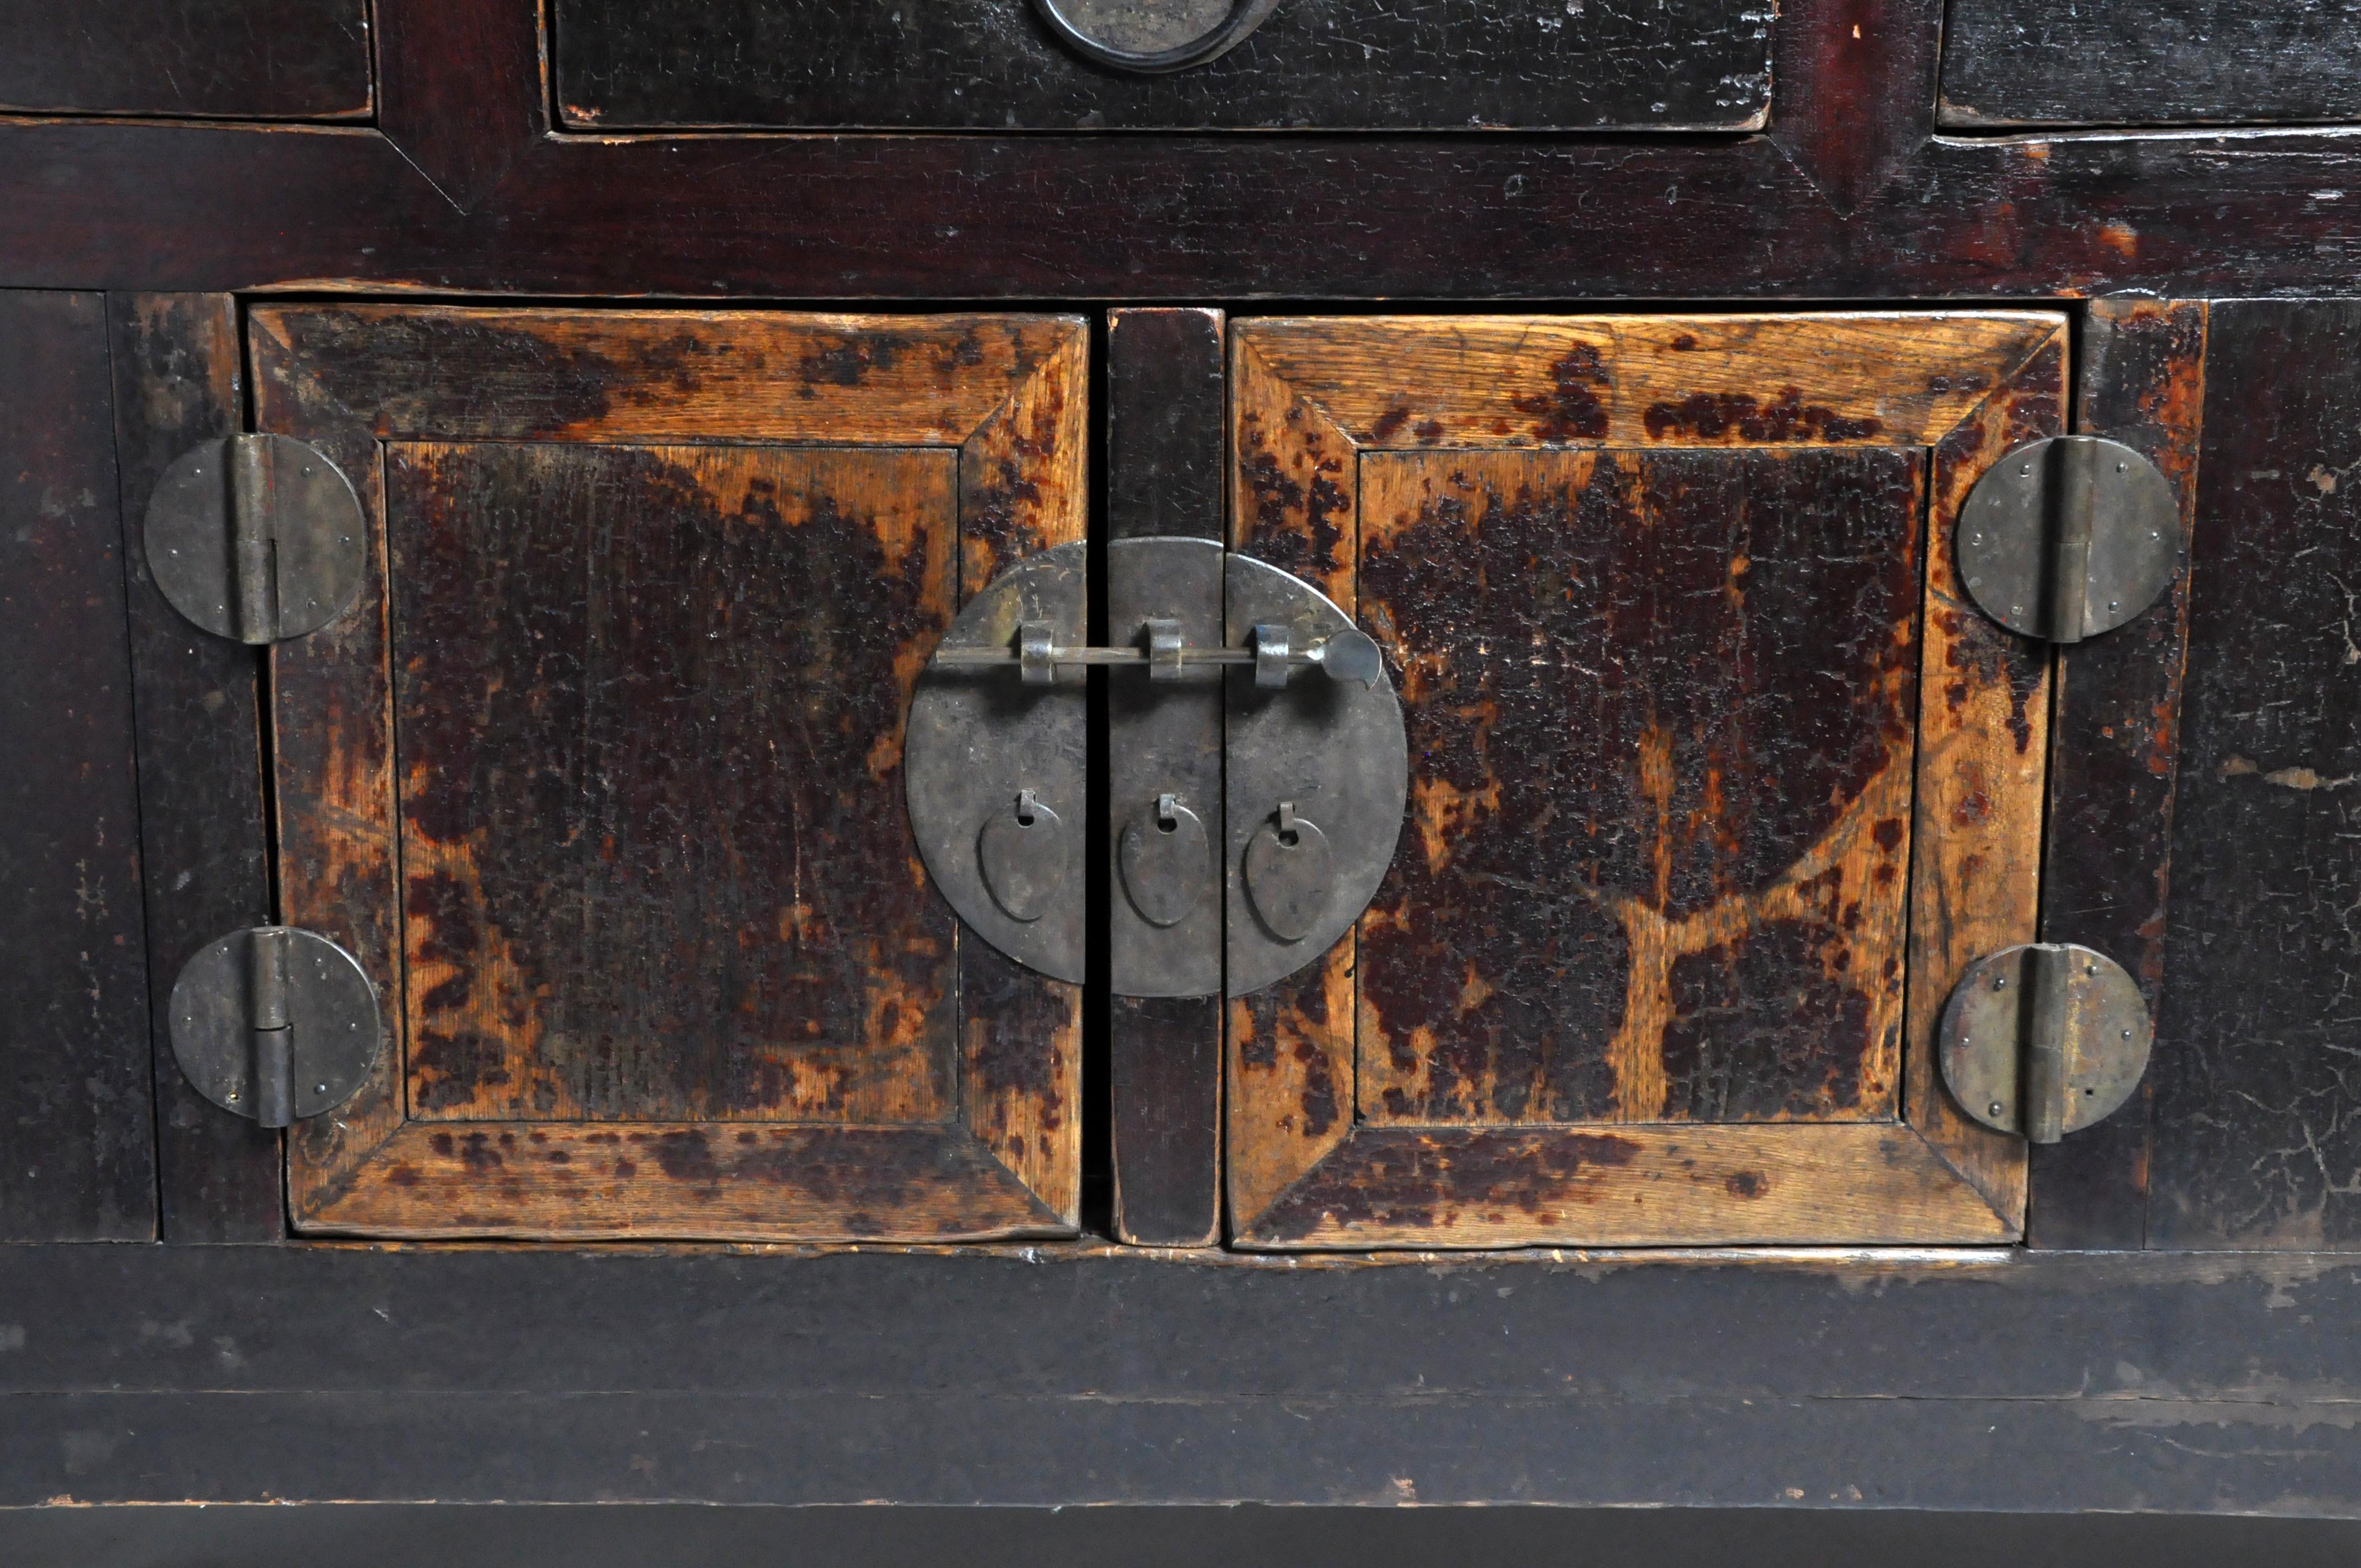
1717, 780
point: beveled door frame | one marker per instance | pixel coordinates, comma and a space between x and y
1308, 396
1008, 393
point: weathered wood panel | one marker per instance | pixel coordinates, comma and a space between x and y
77, 1128
1334, 64
675, 588
2115, 756
1065, 1374
1616, 904
258, 60
1166, 413
648, 703
179, 379
2151, 62
1661, 707
2258, 1105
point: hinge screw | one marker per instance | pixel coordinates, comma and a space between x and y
1996, 1107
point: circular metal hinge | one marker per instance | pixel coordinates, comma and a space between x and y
2045, 1038
1245, 17
275, 1023
258, 538
2069, 537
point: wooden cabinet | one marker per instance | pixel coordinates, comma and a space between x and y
602, 779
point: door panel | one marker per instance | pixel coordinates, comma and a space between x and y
1717, 780
601, 780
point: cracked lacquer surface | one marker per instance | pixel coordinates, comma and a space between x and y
2257, 1064
601, 780
991, 65
1659, 818
648, 708
1686, 822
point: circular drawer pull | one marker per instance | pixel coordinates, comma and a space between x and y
1243, 18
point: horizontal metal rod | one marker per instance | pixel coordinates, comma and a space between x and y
985, 656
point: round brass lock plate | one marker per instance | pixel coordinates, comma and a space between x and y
1985, 1033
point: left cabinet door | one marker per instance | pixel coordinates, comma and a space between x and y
601, 778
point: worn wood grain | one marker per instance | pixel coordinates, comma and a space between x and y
1121, 218
1662, 709
1983, 735
2153, 62
462, 88
2257, 1142
457, 373
1544, 594
1064, 1374
846, 1016
2115, 754
1334, 64
1855, 104
1166, 417
257, 59
179, 379
648, 702
77, 1129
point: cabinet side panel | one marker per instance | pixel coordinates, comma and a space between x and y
2257, 1089
77, 1139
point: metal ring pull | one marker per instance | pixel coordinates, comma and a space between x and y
1243, 18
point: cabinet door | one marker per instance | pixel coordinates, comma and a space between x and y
601, 778
1717, 777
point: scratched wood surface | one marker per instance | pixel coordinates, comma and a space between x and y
1692, 844
2106, 876
647, 593
276, 60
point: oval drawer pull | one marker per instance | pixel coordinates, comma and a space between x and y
1245, 17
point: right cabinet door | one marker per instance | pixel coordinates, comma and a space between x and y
1718, 778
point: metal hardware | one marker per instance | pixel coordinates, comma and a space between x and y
1346, 654
257, 538
1145, 16
2045, 1038
1225, 773
1335, 750
975, 740
1025, 855
2069, 537
1290, 871
1164, 738
275, 1023
1166, 861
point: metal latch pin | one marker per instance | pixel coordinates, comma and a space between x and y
1351, 655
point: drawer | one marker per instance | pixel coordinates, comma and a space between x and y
1002, 65
255, 59
2151, 62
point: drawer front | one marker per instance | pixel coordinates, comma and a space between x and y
2151, 62
254, 59
1717, 780
996, 65
601, 780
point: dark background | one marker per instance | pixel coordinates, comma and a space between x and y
355, 1536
